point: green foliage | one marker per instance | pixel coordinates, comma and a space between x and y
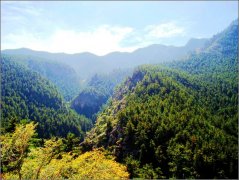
71, 143
14, 147
61, 75
177, 123
26, 95
218, 60
148, 172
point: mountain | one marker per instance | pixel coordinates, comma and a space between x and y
28, 96
152, 54
63, 76
167, 123
87, 64
226, 42
97, 91
218, 58
179, 121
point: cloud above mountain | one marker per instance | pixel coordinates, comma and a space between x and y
100, 40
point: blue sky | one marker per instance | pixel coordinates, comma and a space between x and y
104, 27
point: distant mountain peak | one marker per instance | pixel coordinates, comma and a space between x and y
227, 38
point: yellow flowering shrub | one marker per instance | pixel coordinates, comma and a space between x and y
51, 162
14, 148
95, 165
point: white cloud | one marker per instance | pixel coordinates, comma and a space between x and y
100, 41
165, 30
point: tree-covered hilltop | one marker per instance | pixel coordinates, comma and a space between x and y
97, 92
60, 74
163, 123
180, 122
27, 95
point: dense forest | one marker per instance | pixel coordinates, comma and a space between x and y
28, 96
61, 75
165, 123
173, 120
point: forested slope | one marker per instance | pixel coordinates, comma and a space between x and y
180, 122
26, 95
218, 59
63, 76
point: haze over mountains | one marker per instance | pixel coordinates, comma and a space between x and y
87, 64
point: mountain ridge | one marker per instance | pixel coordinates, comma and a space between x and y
27, 50
177, 121
87, 64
